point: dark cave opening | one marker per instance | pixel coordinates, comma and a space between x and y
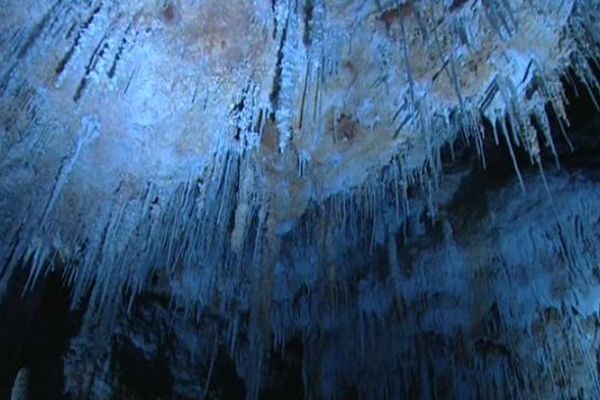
139, 376
225, 383
37, 328
286, 381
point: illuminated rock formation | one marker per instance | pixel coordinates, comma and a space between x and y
252, 161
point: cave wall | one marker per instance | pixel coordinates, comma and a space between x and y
312, 199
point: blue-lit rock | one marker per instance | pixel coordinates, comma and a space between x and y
275, 172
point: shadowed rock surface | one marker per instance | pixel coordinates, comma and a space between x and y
300, 199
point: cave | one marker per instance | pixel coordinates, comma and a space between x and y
299, 199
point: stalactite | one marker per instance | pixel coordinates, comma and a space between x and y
344, 105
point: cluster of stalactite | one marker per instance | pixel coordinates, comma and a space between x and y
236, 152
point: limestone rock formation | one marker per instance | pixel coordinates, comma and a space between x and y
226, 182
20, 390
